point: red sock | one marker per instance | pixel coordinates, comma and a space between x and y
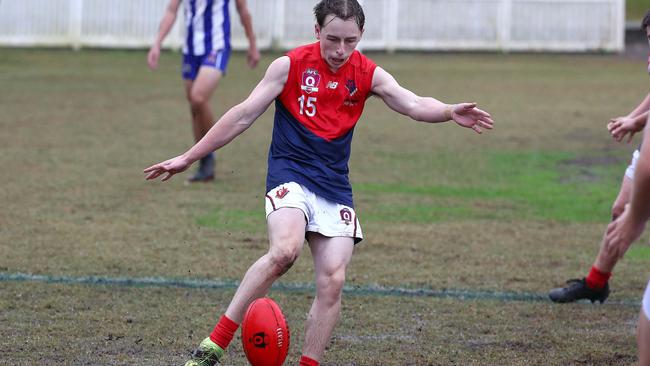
596, 279
223, 332
306, 361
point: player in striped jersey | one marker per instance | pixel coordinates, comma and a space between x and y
319, 91
206, 52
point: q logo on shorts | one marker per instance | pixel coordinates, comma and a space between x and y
346, 216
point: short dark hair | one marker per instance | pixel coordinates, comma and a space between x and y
646, 21
343, 9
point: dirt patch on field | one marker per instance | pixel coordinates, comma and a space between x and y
615, 359
592, 161
586, 168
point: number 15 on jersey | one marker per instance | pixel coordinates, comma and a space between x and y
307, 105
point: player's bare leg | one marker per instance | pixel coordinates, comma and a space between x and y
286, 236
198, 93
643, 339
199, 97
286, 228
595, 286
606, 260
623, 197
331, 258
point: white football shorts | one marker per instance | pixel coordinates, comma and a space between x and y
629, 172
645, 304
323, 216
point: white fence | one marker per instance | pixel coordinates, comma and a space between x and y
518, 25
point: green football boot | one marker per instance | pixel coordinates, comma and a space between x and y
208, 354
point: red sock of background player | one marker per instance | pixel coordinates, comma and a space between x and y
596, 279
306, 361
223, 332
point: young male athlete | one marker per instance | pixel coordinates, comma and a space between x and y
595, 286
319, 92
206, 52
627, 228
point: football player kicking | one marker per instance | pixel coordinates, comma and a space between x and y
595, 286
319, 92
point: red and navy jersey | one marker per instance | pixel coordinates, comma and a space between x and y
315, 117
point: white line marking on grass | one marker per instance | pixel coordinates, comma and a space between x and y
361, 290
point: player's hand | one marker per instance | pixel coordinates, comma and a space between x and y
153, 56
170, 167
621, 126
622, 232
253, 57
467, 115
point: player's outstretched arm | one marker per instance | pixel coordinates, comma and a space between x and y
634, 122
641, 108
253, 56
166, 25
621, 126
427, 109
231, 124
627, 228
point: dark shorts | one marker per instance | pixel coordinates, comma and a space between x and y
217, 59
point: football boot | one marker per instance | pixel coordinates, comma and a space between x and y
205, 173
207, 354
577, 289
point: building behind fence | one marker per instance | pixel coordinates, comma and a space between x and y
498, 25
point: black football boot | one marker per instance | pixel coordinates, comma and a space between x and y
577, 289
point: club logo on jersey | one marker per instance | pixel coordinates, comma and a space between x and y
346, 216
212, 57
332, 84
352, 90
310, 79
351, 86
280, 193
258, 340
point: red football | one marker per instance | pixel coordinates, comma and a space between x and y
265, 334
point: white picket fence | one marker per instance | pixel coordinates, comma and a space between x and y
502, 25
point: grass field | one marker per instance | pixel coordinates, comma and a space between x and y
495, 220
636, 9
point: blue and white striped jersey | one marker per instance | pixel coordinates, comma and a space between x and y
207, 26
